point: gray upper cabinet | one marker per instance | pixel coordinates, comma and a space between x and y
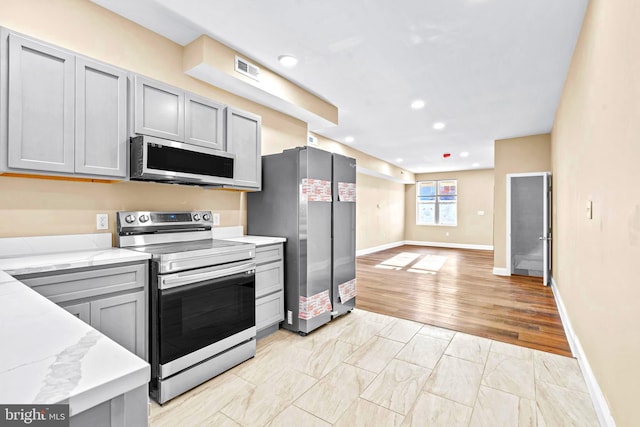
158, 109
65, 114
204, 122
101, 119
40, 107
244, 135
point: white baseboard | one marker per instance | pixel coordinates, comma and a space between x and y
499, 271
379, 248
421, 243
597, 397
449, 245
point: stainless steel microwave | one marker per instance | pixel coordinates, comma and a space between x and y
161, 160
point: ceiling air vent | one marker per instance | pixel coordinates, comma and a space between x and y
248, 69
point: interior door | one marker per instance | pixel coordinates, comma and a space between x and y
529, 225
546, 230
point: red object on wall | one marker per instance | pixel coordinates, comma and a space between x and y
446, 155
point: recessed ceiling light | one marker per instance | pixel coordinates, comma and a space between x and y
475, 165
464, 154
288, 60
349, 139
417, 104
398, 160
438, 125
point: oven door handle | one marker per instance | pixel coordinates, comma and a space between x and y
187, 278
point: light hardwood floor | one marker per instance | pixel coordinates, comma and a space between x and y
456, 289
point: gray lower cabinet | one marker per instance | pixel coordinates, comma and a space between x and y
126, 410
244, 139
111, 299
82, 311
269, 288
121, 318
65, 114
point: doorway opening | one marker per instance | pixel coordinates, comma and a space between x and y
529, 225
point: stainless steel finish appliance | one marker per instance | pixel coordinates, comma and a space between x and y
157, 159
201, 297
308, 196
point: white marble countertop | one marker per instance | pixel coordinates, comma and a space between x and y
50, 356
37, 254
257, 240
27, 264
235, 234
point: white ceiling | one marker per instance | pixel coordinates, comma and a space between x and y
488, 69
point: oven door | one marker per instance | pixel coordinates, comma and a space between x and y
202, 313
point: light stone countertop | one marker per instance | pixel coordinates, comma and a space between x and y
235, 234
28, 264
48, 355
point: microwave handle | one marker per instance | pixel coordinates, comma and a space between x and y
187, 278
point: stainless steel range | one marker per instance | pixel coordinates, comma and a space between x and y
201, 298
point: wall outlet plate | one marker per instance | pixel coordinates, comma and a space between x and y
102, 221
215, 218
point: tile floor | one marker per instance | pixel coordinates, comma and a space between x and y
368, 369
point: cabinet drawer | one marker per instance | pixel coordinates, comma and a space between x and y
269, 310
268, 253
86, 284
269, 278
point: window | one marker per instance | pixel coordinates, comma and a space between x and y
437, 202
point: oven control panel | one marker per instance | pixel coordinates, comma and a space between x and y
146, 221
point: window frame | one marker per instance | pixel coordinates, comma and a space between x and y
437, 202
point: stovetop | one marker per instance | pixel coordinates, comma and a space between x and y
178, 241
209, 245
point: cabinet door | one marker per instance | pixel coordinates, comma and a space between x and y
204, 122
158, 109
244, 132
101, 119
81, 311
40, 106
122, 318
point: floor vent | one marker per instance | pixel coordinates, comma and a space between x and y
248, 69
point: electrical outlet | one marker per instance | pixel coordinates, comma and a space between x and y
216, 219
102, 221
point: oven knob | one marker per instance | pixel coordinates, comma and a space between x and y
130, 219
206, 217
144, 218
196, 217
